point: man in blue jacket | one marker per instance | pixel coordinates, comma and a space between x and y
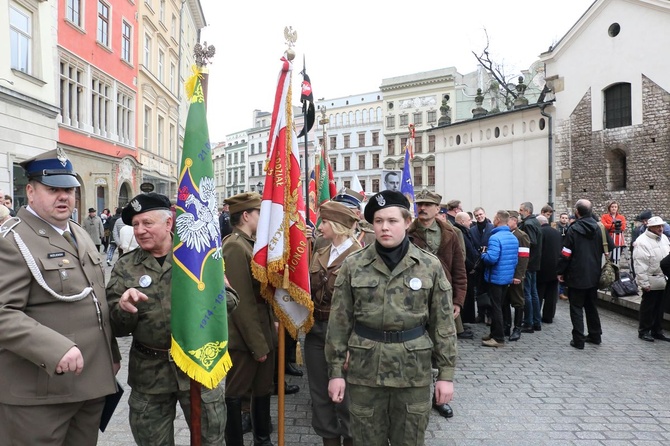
500, 258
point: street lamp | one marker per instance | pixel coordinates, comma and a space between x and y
259, 186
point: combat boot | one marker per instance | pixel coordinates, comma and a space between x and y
260, 420
234, 433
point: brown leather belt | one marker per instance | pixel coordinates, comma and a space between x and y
389, 337
152, 352
321, 315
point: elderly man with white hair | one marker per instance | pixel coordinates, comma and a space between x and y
650, 248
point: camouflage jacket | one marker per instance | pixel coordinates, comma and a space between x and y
367, 292
151, 324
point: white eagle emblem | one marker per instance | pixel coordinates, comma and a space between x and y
199, 233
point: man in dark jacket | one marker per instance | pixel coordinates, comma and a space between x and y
500, 258
532, 317
224, 221
514, 296
463, 221
547, 283
579, 267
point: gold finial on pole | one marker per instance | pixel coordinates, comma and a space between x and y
291, 36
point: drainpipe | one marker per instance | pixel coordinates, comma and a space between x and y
550, 154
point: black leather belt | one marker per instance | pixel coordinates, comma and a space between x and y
153, 352
321, 315
389, 337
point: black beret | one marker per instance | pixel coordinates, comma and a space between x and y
385, 199
144, 203
644, 215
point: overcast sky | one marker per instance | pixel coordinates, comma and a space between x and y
350, 46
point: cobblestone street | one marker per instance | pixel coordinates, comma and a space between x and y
536, 391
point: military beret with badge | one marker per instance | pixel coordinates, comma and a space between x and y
383, 200
144, 203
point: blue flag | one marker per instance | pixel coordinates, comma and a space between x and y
407, 188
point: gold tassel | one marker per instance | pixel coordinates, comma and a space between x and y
189, 85
285, 284
298, 354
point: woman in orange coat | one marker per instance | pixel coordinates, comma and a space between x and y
615, 223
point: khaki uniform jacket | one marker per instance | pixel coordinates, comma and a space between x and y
37, 329
251, 326
524, 254
322, 278
415, 293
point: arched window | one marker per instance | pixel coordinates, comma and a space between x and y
615, 170
617, 106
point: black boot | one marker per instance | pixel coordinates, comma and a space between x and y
234, 433
260, 420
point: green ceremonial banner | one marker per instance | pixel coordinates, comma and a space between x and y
199, 318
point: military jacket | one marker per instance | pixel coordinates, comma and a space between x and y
251, 325
415, 293
322, 277
150, 325
37, 329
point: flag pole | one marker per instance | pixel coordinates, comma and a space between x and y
305, 124
202, 55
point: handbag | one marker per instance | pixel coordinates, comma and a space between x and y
609, 272
625, 286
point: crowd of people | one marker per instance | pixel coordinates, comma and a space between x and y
392, 295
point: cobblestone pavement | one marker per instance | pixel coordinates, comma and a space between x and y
537, 391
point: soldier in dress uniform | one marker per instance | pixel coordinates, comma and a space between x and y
139, 293
58, 356
391, 313
252, 335
330, 420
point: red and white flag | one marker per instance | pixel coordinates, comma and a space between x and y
281, 254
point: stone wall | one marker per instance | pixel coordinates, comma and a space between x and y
581, 154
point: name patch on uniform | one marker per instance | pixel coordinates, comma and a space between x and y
55, 255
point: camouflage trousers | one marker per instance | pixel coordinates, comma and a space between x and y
383, 415
152, 416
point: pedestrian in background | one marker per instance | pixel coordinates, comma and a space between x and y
93, 226
615, 223
579, 267
650, 248
58, 356
391, 313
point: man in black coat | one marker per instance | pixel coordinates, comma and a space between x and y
532, 320
547, 281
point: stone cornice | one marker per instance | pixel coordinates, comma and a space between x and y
28, 102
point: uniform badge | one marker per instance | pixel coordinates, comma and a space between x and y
415, 284
41, 232
54, 255
381, 201
136, 205
62, 157
145, 281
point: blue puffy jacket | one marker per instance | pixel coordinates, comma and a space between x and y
501, 256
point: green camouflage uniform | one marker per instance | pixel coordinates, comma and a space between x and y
366, 292
157, 383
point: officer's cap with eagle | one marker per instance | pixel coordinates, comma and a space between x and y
144, 203
51, 168
385, 199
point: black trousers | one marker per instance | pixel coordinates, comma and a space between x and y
468, 313
583, 302
651, 312
497, 292
548, 293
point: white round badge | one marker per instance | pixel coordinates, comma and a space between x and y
145, 281
415, 284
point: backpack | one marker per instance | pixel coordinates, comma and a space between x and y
625, 286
